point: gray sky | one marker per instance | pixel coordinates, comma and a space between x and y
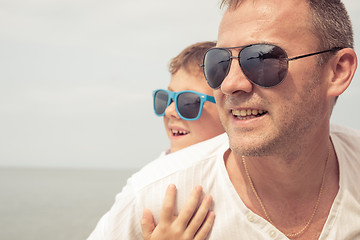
77, 76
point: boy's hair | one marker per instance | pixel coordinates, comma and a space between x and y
190, 58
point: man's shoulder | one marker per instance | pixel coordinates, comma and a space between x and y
180, 161
347, 146
345, 135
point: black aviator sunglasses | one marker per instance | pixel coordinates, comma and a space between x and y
265, 65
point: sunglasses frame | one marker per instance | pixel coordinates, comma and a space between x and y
173, 97
256, 44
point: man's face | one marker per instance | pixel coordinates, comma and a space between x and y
294, 111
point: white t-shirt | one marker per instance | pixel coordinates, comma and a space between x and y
203, 164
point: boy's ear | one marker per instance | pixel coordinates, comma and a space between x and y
343, 67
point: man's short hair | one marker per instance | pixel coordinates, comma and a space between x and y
330, 20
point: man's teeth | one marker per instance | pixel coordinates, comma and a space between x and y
247, 113
179, 132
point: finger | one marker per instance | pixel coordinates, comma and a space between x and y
190, 207
200, 216
147, 224
206, 227
167, 210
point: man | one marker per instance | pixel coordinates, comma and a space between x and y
282, 163
277, 72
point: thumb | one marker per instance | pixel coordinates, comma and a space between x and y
147, 224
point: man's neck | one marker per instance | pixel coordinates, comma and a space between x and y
288, 187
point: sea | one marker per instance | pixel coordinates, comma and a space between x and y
56, 204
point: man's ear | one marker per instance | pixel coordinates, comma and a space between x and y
343, 66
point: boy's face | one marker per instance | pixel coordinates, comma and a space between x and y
184, 133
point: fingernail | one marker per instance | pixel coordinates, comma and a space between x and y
208, 198
171, 187
211, 214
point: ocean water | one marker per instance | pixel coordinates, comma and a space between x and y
54, 204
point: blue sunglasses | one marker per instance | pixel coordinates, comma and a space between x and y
188, 104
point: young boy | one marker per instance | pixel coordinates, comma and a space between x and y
183, 131
189, 120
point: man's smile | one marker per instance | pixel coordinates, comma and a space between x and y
245, 114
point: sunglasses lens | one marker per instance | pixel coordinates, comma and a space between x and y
188, 105
160, 102
216, 66
264, 65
